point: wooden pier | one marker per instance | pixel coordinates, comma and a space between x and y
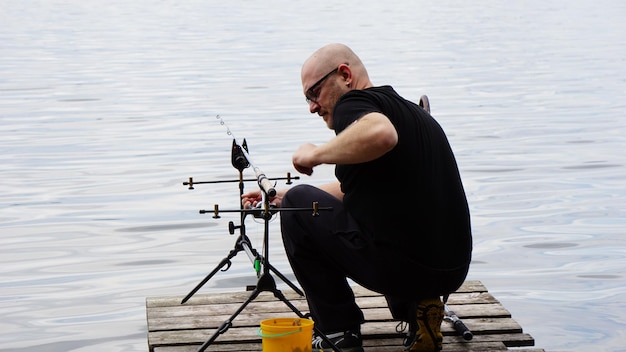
176, 327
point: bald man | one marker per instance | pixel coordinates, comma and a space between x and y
400, 222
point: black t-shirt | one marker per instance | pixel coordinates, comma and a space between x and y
412, 197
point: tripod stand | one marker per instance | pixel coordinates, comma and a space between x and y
265, 282
242, 243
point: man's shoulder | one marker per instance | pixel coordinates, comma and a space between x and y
386, 89
369, 94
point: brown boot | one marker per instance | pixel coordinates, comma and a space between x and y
425, 329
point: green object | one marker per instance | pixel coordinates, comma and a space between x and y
257, 265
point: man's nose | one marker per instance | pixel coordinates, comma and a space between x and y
313, 106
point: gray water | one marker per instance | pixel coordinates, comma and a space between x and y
106, 107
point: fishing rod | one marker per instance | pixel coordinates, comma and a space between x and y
240, 161
262, 180
457, 323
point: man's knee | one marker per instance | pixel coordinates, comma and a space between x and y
299, 195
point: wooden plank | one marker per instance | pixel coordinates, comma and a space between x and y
241, 296
370, 330
216, 298
370, 345
212, 317
176, 327
258, 347
477, 346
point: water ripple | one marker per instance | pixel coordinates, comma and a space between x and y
105, 113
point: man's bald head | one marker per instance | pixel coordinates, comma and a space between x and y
331, 56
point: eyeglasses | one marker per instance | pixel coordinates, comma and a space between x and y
311, 94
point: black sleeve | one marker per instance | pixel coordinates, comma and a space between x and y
351, 107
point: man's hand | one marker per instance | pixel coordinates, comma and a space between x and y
303, 160
367, 139
251, 199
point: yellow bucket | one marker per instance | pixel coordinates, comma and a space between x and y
286, 334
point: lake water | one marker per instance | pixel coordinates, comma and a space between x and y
106, 107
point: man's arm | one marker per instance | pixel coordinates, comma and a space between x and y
366, 139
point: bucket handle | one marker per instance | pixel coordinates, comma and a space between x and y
278, 335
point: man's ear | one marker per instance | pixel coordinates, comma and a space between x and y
346, 73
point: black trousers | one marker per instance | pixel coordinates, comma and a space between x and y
327, 249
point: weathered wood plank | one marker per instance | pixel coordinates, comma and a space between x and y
240, 297
258, 347
193, 307
176, 327
212, 319
369, 329
482, 346
480, 343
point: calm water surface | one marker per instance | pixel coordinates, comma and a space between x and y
106, 107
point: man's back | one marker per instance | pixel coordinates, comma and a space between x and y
412, 197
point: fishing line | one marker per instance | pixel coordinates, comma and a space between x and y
264, 182
228, 131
